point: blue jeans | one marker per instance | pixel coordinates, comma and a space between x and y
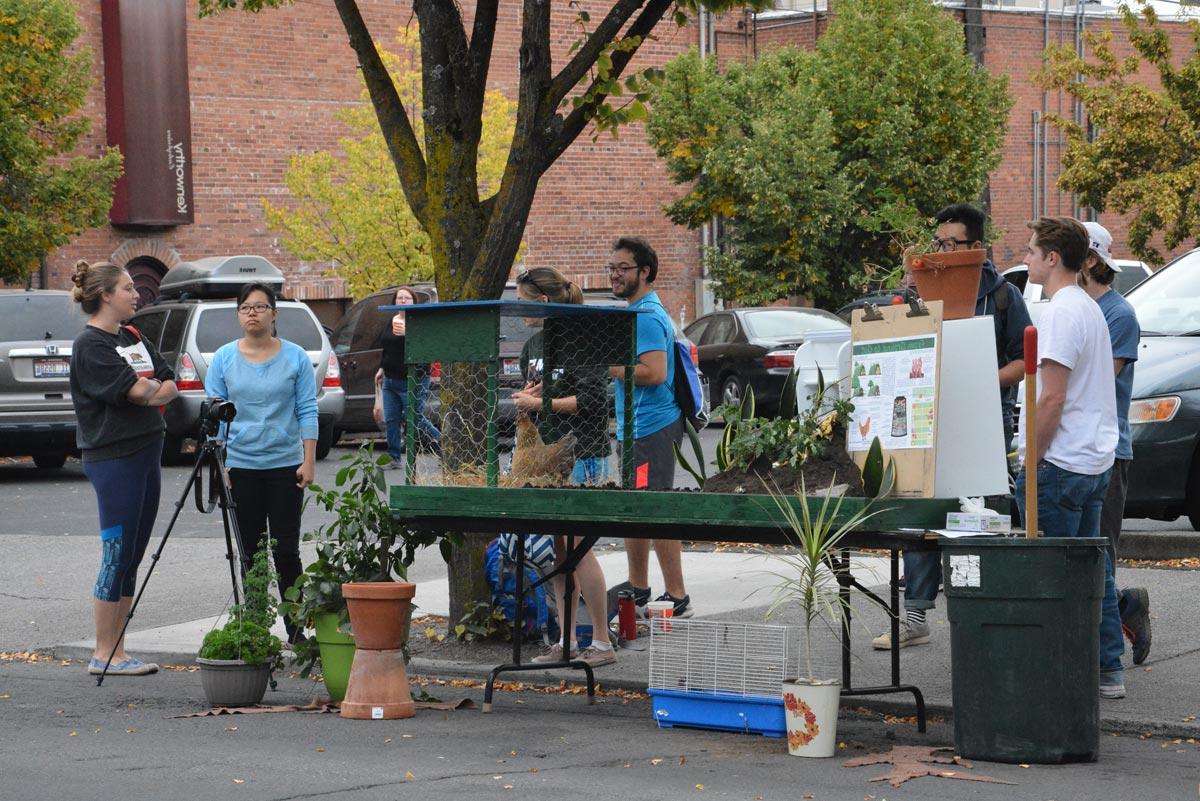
1069, 505
922, 575
590, 471
395, 400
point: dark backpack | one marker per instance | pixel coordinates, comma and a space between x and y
689, 386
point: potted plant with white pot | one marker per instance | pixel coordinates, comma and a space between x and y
809, 580
236, 660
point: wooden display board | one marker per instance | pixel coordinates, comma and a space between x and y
891, 350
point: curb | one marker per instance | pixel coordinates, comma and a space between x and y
1164, 545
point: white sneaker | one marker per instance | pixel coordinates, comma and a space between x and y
909, 635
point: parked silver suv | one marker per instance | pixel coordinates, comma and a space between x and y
37, 328
187, 331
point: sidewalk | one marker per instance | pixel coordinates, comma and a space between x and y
1163, 695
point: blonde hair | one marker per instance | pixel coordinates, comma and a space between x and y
551, 283
93, 280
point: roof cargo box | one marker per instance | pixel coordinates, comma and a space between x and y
219, 276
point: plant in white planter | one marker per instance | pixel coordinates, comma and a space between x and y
809, 580
236, 660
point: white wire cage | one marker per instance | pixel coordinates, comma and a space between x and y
718, 657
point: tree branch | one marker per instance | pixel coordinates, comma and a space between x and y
585, 57
397, 132
578, 119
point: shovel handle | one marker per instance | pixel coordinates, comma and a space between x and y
1031, 432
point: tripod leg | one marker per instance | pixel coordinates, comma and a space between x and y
192, 479
220, 483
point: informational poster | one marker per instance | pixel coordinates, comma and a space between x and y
893, 386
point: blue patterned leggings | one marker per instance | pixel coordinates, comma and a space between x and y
127, 491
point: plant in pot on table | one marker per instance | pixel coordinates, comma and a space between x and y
809, 580
236, 660
359, 575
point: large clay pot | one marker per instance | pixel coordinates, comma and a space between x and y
379, 616
811, 712
952, 278
337, 654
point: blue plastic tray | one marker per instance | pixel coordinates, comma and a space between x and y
719, 711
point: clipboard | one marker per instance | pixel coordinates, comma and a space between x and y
896, 331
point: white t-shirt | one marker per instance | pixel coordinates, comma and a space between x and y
1072, 332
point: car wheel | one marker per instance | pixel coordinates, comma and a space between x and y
50, 460
324, 440
337, 436
1193, 496
732, 391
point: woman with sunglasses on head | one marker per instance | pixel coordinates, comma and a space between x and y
579, 406
271, 444
391, 384
118, 383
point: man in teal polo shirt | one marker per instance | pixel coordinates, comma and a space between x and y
657, 420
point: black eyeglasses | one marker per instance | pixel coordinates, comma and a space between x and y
621, 269
949, 243
256, 308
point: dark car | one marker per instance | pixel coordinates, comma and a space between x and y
37, 328
1164, 479
754, 347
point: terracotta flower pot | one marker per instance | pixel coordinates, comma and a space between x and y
379, 617
952, 278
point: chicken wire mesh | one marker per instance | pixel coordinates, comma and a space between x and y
707, 656
521, 393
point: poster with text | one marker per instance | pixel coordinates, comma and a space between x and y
893, 386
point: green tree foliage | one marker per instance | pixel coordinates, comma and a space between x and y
807, 154
349, 208
1142, 155
46, 197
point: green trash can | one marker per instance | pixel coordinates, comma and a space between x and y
1024, 646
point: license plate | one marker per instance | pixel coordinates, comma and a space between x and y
512, 366
51, 368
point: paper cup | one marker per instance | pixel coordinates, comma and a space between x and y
662, 610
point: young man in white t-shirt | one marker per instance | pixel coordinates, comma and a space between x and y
1076, 414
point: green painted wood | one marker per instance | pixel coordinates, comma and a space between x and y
455, 333
696, 515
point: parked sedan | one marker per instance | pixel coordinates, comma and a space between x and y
754, 347
1164, 479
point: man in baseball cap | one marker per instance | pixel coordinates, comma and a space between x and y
1096, 279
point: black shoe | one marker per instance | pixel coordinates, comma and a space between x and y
1135, 621
683, 606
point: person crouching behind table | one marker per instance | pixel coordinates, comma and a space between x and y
271, 444
118, 381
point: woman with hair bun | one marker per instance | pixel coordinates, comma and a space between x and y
117, 381
578, 406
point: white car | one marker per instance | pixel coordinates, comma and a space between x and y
1132, 273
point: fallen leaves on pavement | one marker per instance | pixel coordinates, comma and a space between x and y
1186, 563
562, 688
318, 706
912, 761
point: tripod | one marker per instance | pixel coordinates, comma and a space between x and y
219, 492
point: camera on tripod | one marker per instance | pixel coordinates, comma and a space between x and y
213, 412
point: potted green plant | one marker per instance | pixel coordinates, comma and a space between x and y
236, 660
809, 580
362, 561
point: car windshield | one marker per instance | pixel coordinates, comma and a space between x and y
1128, 278
30, 316
788, 324
217, 326
1168, 303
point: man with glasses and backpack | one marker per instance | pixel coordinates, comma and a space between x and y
657, 419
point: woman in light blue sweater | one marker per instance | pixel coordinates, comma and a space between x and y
272, 442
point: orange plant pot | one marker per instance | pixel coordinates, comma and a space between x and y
379, 617
952, 278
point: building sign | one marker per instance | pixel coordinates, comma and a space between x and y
148, 109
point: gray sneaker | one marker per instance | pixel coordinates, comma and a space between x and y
552, 654
909, 635
1112, 686
596, 657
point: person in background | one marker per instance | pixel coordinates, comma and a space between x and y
964, 227
1077, 432
657, 419
118, 383
579, 406
1124, 333
271, 444
391, 382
